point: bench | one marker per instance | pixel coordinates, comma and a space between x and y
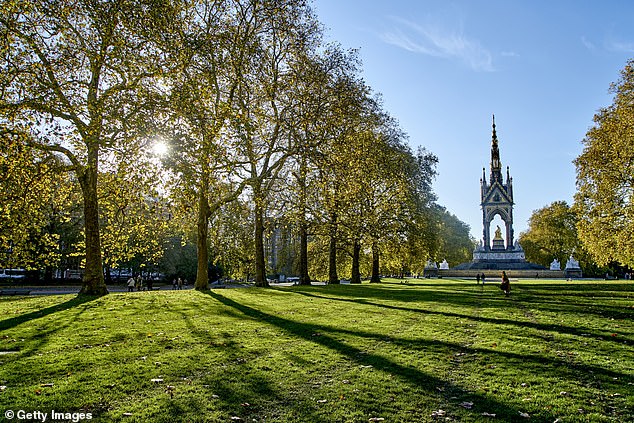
15, 292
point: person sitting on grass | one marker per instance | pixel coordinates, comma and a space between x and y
505, 286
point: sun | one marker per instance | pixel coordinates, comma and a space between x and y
160, 148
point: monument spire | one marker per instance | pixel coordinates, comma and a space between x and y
496, 167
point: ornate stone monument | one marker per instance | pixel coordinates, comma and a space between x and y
573, 270
496, 194
555, 265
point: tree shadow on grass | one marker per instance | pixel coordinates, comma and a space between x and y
567, 330
66, 305
411, 375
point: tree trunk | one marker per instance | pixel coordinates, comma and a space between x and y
202, 277
260, 266
304, 278
93, 282
356, 253
375, 263
108, 275
333, 278
48, 275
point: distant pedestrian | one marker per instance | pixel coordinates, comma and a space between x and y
505, 286
174, 283
180, 283
478, 279
131, 283
482, 277
139, 283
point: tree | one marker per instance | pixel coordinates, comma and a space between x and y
214, 47
264, 101
30, 194
604, 201
79, 76
456, 244
308, 128
551, 234
133, 213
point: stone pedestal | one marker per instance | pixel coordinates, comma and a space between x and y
573, 270
498, 244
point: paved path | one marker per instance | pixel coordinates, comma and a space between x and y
74, 289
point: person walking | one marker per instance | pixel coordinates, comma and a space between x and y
505, 286
139, 282
131, 283
478, 279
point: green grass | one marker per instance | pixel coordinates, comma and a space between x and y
432, 350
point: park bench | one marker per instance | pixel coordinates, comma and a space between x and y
16, 291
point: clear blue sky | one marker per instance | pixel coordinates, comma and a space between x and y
444, 67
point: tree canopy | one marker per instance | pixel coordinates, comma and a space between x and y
604, 200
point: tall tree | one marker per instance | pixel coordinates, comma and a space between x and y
214, 46
347, 106
264, 103
312, 130
551, 234
76, 75
604, 200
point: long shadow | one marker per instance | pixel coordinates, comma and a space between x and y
410, 374
18, 320
570, 370
581, 331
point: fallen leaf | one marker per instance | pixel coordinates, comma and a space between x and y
47, 385
485, 414
127, 414
345, 381
236, 418
525, 415
438, 413
467, 405
2, 388
322, 401
245, 404
156, 380
563, 393
377, 419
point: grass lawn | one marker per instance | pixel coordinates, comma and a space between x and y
424, 350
